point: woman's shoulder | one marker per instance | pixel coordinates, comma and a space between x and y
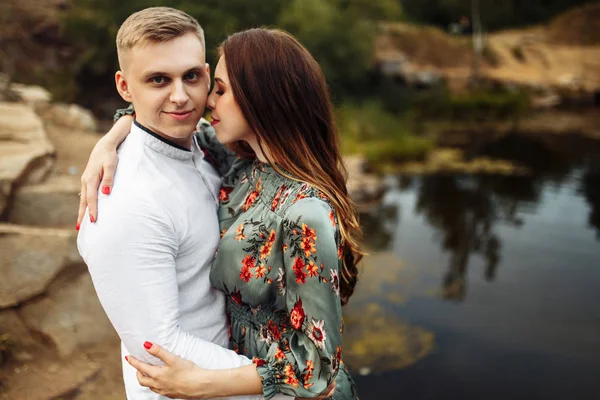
220, 157
293, 199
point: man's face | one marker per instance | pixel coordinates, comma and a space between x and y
168, 84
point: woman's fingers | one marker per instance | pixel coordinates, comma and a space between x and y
91, 190
145, 380
110, 169
82, 204
159, 352
145, 370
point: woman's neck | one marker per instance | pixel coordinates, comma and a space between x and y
256, 148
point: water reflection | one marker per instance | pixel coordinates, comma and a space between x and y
590, 188
518, 259
464, 213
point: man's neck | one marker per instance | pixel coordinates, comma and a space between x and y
180, 143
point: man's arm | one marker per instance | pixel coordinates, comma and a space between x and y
130, 254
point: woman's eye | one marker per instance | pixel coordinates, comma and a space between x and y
219, 92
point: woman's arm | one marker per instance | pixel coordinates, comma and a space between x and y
182, 379
305, 362
101, 167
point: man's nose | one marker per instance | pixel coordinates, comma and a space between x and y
210, 101
179, 95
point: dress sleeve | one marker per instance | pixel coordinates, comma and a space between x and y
306, 361
217, 154
130, 253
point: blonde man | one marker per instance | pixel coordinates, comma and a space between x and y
150, 253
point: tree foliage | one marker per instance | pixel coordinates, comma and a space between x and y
496, 14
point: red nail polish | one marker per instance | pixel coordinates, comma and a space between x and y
77, 227
106, 190
127, 358
147, 345
92, 219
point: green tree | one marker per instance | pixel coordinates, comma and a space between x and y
340, 41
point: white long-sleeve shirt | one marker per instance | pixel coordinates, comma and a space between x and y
149, 255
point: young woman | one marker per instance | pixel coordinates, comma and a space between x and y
288, 251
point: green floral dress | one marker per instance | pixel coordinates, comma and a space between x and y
278, 264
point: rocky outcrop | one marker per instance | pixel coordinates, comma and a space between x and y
52, 326
26, 155
69, 316
70, 116
30, 260
53, 203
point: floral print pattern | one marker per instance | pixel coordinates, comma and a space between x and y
278, 264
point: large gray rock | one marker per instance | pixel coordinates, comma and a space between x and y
69, 315
35, 96
71, 116
26, 155
13, 326
30, 258
52, 203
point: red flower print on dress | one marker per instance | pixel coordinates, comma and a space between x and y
332, 218
310, 366
309, 233
250, 199
316, 333
247, 263
312, 269
240, 233
308, 245
223, 232
274, 331
290, 376
336, 359
279, 354
224, 193
275, 201
260, 271
297, 315
259, 362
298, 266
265, 250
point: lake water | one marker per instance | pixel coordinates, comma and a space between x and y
483, 287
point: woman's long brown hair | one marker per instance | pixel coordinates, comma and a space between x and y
283, 96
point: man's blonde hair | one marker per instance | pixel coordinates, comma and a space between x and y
155, 24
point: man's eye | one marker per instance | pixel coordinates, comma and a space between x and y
158, 80
191, 76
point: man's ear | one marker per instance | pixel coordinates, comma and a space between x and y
122, 86
207, 66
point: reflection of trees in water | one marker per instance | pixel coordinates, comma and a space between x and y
590, 188
376, 232
466, 208
463, 211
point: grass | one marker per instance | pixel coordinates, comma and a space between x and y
383, 138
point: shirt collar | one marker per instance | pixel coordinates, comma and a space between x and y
163, 146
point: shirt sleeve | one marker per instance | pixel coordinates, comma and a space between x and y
304, 363
130, 253
217, 154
